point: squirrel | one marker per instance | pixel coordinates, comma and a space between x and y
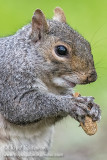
39, 67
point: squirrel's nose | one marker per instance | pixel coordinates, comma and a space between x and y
91, 77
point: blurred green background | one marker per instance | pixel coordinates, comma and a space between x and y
90, 19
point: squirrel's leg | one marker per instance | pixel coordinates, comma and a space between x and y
35, 105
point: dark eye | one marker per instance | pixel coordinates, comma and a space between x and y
61, 51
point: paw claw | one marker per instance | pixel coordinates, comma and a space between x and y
95, 112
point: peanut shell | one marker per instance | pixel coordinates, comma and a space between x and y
89, 126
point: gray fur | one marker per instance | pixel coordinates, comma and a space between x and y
27, 92
22, 64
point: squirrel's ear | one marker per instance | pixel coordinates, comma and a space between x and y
59, 15
39, 25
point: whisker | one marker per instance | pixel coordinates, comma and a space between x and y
98, 41
96, 32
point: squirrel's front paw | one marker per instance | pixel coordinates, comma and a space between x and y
95, 112
94, 109
85, 106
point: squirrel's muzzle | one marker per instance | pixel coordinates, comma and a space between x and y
92, 77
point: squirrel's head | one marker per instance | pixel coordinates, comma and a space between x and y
67, 55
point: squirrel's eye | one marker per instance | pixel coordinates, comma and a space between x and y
61, 51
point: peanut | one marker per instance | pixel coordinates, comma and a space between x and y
89, 126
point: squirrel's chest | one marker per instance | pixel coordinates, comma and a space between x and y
24, 142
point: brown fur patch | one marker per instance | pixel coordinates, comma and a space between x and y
78, 63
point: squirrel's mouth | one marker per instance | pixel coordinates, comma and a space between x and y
70, 84
63, 82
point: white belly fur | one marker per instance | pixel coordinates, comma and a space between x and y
35, 137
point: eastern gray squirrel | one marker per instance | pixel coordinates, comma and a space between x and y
39, 67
